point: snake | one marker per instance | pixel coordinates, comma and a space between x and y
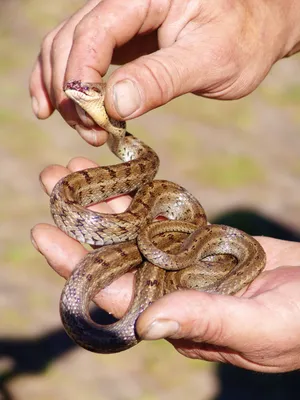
180, 252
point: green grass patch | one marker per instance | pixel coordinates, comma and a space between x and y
12, 54
295, 168
157, 366
146, 396
19, 254
138, 129
284, 96
15, 319
199, 365
45, 16
38, 300
227, 171
182, 144
236, 114
21, 136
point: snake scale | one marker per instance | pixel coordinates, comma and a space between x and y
183, 252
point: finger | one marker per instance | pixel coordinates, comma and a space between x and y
46, 81
60, 50
225, 321
249, 333
116, 297
63, 253
153, 80
51, 175
59, 54
80, 163
109, 25
92, 135
280, 252
41, 77
182, 66
40, 100
119, 204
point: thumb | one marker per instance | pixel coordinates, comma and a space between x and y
219, 320
153, 80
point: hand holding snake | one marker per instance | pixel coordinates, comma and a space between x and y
213, 258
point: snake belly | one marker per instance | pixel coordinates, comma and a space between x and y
184, 253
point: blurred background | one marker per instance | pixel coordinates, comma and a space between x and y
241, 159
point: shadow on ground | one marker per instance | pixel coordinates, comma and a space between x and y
32, 356
237, 383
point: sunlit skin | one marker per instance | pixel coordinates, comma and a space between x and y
220, 49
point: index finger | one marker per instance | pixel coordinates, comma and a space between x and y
109, 25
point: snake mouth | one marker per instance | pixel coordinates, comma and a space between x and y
78, 86
78, 92
82, 92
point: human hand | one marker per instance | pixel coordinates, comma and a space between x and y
259, 330
221, 49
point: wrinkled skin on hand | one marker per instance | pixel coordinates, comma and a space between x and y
221, 49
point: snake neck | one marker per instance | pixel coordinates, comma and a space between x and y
117, 143
90, 98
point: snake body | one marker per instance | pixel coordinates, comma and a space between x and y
184, 253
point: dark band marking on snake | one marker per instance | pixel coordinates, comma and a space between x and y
187, 253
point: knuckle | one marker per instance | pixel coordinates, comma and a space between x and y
35, 74
89, 32
87, 36
85, 28
48, 40
80, 30
56, 43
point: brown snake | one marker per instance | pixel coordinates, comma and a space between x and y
187, 253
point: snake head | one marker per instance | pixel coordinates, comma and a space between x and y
90, 97
82, 92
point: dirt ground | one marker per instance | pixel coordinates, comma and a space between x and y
241, 159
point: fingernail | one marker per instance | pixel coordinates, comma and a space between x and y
42, 185
127, 97
34, 242
159, 329
35, 106
93, 136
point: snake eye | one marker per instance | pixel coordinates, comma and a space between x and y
96, 89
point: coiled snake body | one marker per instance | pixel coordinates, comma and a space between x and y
184, 253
